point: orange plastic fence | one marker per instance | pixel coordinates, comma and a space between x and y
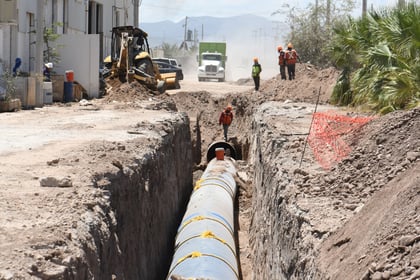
326, 136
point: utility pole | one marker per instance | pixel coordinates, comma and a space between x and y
185, 33
195, 37
136, 12
39, 58
86, 16
401, 4
328, 17
364, 8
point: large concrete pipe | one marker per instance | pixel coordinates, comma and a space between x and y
229, 150
205, 244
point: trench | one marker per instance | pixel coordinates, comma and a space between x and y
148, 201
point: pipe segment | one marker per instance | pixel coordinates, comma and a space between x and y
205, 243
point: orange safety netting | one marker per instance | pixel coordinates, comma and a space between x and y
327, 133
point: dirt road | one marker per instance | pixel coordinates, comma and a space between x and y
191, 85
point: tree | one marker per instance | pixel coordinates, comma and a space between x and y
170, 50
50, 36
311, 28
8, 80
380, 54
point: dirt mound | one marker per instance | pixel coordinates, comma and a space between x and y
127, 92
309, 83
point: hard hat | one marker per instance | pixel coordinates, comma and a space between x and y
279, 48
290, 45
255, 59
49, 65
229, 108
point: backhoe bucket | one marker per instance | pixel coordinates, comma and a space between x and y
170, 80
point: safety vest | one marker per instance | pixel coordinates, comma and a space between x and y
281, 58
256, 70
291, 57
226, 118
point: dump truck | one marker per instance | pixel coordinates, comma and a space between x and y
211, 61
130, 60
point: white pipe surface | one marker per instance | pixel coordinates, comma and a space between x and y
205, 242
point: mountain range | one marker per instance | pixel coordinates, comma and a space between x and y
242, 28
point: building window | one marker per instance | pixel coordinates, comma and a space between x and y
30, 29
54, 14
95, 18
31, 21
117, 18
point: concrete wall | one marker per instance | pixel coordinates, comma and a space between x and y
2, 47
83, 60
8, 45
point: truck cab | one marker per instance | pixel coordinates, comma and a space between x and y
212, 59
211, 67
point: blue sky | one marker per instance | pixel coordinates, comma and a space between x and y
176, 10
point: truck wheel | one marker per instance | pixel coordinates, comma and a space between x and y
221, 80
200, 79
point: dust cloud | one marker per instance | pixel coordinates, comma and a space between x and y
241, 54
241, 50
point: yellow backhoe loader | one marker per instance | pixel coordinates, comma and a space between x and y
130, 60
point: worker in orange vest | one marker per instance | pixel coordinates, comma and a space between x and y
282, 62
225, 119
291, 57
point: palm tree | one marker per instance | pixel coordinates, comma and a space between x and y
385, 70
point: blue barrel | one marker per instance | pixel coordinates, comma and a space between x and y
68, 92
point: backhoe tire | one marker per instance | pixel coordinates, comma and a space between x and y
161, 86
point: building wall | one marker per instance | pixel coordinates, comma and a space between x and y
83, 63
79, 17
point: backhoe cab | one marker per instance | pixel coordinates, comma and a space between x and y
130, 59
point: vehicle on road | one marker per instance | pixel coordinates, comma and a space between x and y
171, 61
169, 68
211, 61
130, 60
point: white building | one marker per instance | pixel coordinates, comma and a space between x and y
84, 27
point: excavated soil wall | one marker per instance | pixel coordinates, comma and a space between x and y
280, 249
348, 222
131, 234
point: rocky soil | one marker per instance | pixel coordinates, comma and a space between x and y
362, 214
359, 220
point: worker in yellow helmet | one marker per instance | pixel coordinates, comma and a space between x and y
291, 57
256, 70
